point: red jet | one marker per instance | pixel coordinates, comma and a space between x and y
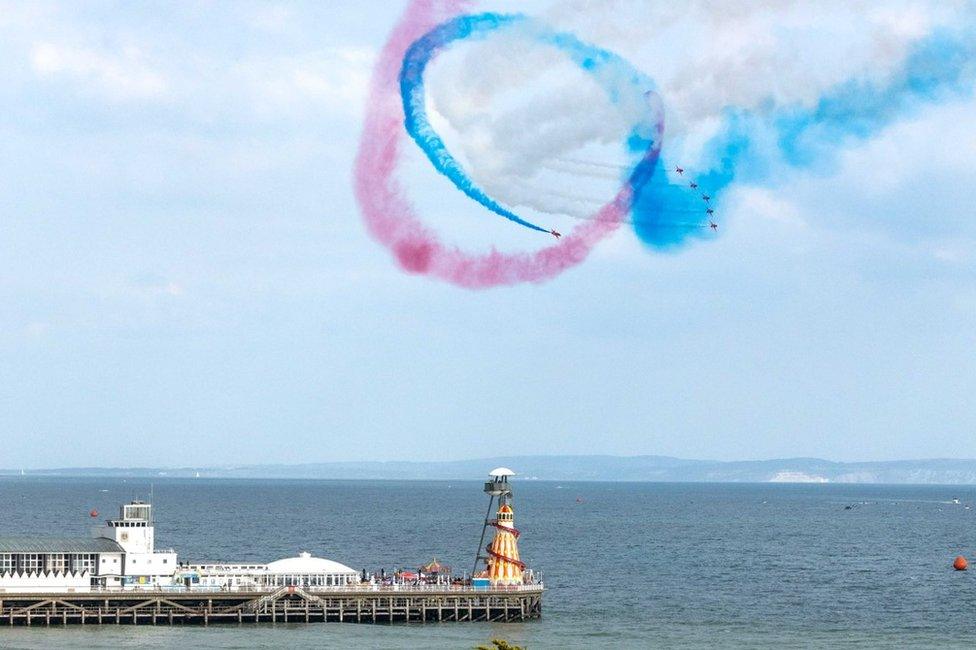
679, 170
555, 234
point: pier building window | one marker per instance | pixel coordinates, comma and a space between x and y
7, 563
30, 562
136, 511
83, 562
57, 562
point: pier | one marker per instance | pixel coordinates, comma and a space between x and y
118, 576
284, 605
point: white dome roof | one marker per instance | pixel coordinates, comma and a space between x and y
306, 564
501, 471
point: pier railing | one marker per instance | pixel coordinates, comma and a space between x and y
352, 604
335, 589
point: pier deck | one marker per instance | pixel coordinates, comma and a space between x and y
286, 604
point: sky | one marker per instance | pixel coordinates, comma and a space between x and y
186, 279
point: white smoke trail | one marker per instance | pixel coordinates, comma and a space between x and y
594, 163
560, 165
520, 108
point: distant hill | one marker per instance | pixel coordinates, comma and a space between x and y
580, 468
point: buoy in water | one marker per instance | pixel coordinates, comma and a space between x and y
960, 563
93, 513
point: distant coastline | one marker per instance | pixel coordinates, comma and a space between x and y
568, 468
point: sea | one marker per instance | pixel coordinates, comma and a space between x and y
626, 565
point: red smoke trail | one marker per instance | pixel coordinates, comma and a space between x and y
390, 217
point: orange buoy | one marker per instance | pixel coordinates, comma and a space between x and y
93, 513
960, 563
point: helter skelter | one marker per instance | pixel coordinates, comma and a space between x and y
501, 556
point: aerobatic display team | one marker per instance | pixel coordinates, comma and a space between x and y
667, 202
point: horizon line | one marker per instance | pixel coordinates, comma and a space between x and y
233, 466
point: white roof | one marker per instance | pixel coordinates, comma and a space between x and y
306, 564
501, 471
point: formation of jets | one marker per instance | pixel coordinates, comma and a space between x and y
709, 212
705, 197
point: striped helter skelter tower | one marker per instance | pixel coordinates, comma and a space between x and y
504, 565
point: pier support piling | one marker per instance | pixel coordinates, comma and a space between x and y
367, 605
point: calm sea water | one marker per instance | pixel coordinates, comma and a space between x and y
632, 565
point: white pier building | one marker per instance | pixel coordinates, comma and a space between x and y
121, 556
301, 571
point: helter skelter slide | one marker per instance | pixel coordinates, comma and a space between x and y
503, 566
504, 548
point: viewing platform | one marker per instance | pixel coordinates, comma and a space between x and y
201, 606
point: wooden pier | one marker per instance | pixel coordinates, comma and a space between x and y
287, 604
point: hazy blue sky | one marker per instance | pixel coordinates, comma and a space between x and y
185, 277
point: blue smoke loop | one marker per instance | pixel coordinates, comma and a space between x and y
750, 142
617, 77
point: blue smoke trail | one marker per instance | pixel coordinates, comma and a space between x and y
749, 144
935, 69
618, 78
938, 68
657, 201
